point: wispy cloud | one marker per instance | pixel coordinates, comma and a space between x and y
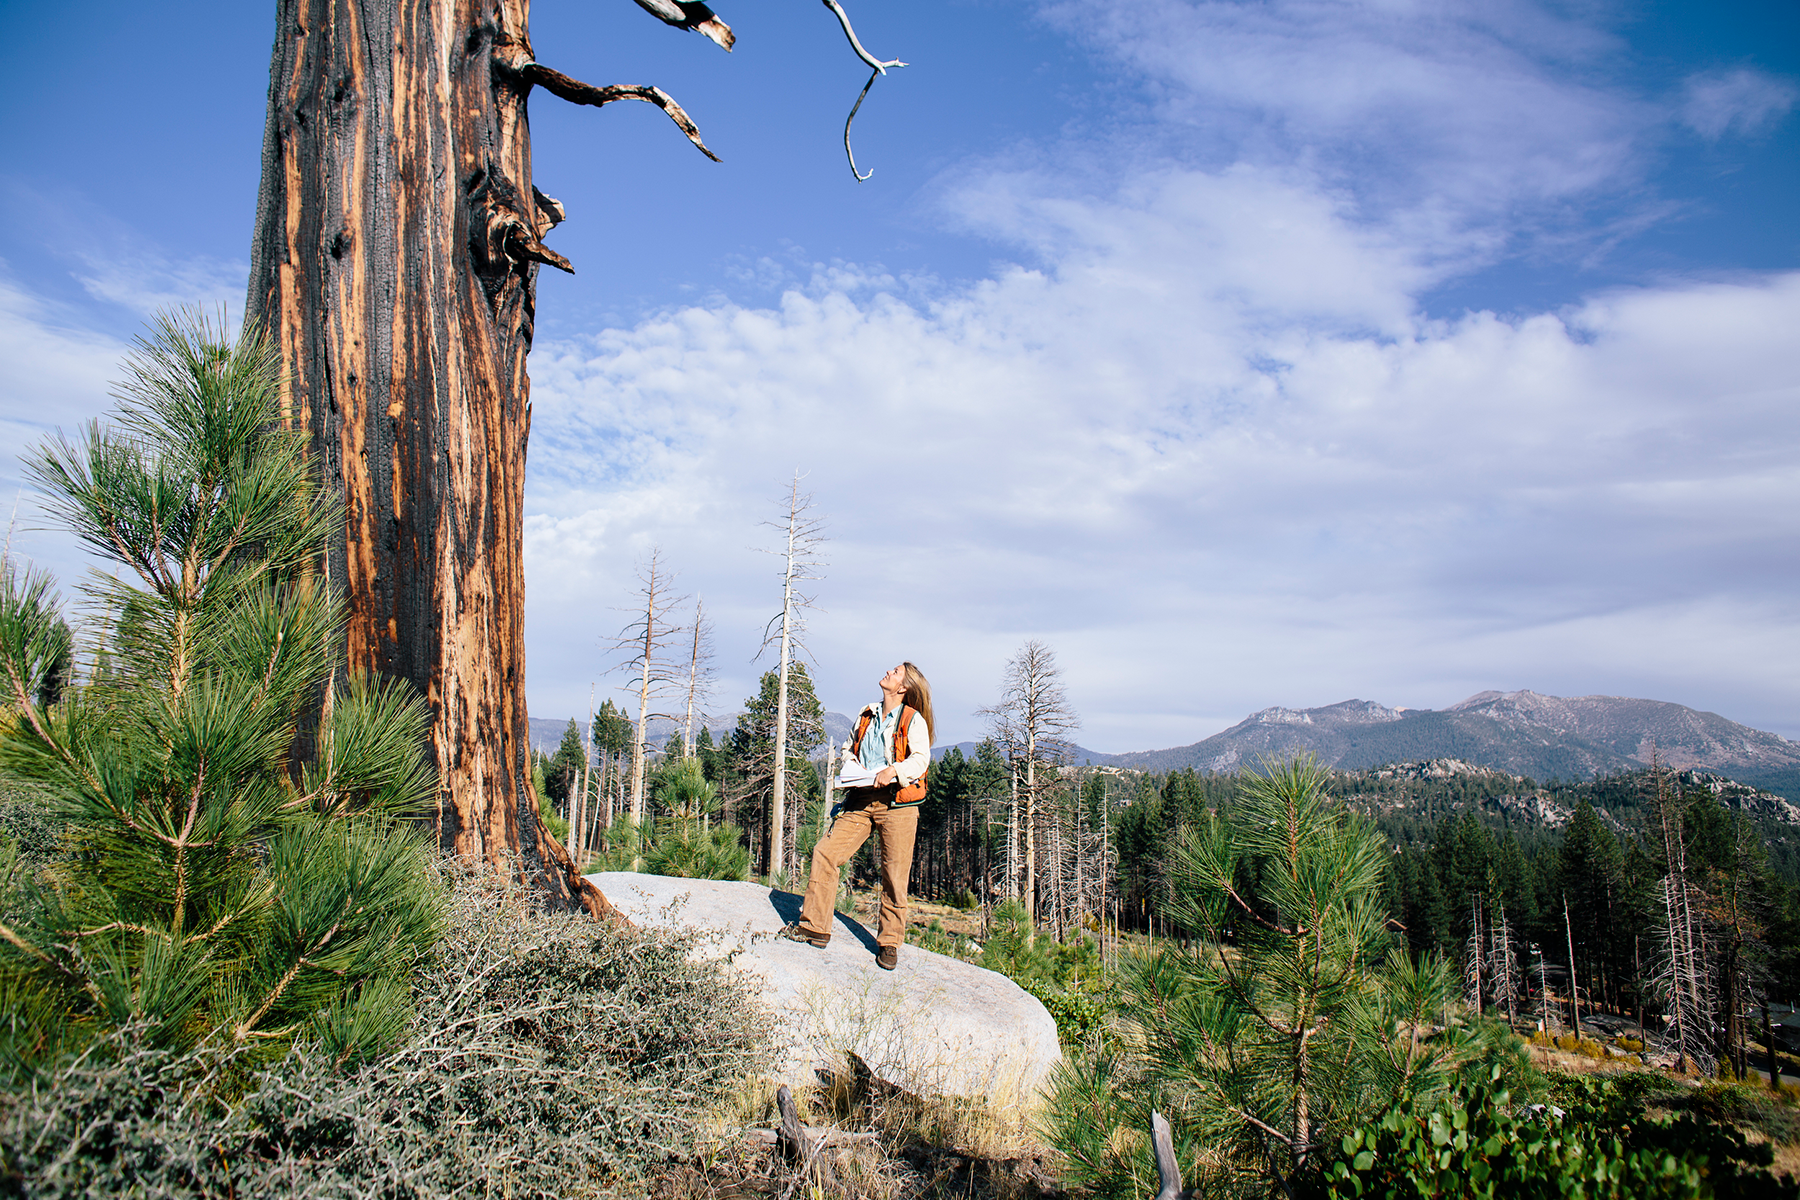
143, 281
58, 374
1741, 101
1439, 119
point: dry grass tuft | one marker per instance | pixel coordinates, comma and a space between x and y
918, 1146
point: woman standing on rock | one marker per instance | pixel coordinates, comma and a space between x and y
883, 774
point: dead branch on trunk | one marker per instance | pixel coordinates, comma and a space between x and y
686, 14
577, 92
880, 68
844, 20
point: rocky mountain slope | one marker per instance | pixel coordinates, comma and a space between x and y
1520, 733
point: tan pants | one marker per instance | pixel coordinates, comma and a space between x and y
866, 810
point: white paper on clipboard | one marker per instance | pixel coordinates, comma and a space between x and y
855, 775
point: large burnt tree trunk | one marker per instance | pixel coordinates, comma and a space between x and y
397, 245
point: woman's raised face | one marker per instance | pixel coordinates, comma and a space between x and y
895, 680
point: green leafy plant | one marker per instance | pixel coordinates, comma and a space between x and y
1479, 1143
208, 887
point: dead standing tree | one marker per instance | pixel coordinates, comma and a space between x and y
645, 641
700, 673
1681, 970
394, 264
1031, 722
801, 535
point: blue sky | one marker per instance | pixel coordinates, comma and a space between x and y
1247, 354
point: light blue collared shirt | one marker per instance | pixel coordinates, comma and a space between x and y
878, 741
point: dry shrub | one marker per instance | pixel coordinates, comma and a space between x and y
917, 1146
551, 1057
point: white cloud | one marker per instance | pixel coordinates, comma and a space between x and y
1741, 101
58, 374
1133, 457
1206, 445
1441, 118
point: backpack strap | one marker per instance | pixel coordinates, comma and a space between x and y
862, 727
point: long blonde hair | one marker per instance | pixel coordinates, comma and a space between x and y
918, 697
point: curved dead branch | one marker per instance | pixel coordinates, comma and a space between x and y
685, 14
844, 20
577, 92
848, 152
880, 68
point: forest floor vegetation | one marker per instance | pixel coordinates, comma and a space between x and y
550, 1057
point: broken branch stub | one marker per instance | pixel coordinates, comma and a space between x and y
550, 211
505, 234
792, 1134
685, 14
1168, 1168
576, 92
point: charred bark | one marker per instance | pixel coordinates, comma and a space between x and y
398, 239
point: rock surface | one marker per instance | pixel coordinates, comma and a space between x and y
934, 1026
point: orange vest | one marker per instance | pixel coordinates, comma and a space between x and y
909, 794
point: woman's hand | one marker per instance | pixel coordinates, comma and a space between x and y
886, 776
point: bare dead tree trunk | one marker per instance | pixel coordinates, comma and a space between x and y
801, 536
1476, 951
1029, 820
398, 236
1032, 719
404, 351
1681, 973
646, 639
579, 811
1574, 986
699, 680
1013, 873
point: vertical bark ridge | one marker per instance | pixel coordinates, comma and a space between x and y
396, 144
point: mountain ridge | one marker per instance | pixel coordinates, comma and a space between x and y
1523, 733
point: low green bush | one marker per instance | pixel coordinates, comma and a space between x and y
1753, 1104
551, 1057
1078, 1015
1066, 977
1598, 1142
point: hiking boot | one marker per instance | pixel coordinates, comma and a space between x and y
888, 957
795, 933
